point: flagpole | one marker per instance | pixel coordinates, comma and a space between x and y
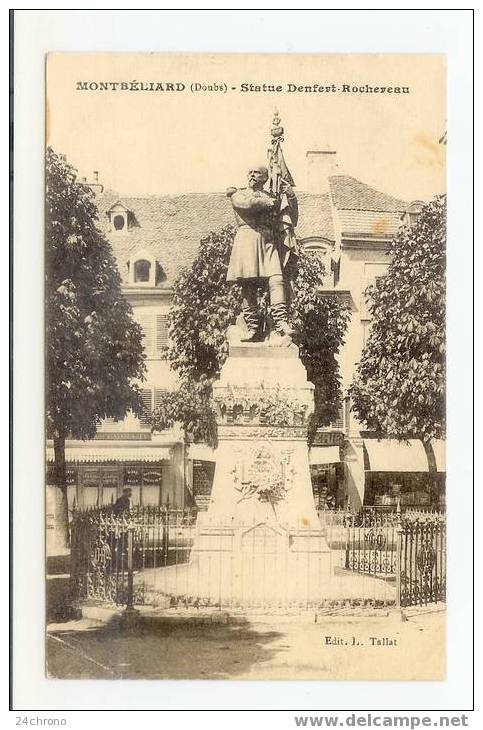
273, 154
279, 173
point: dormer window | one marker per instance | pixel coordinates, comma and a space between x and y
323, 249
411, 215
119, 222
120, 218
142, 269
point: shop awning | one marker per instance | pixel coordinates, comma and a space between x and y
392, 455
201, 452
102, 453
439, 451
324, 455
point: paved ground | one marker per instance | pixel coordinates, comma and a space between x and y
294, 647
263, 582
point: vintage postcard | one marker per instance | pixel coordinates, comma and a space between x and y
245, 366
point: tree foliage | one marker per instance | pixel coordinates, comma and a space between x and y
203, 307
320, 321
94, 351
399, 387
94, 347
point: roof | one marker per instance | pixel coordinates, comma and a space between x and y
363, 223
315, 216
351, 194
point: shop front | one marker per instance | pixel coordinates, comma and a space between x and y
96, 475
400, 473
327, 476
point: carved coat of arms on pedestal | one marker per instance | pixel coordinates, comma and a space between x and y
263, 474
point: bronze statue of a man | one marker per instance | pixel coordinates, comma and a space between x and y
256, 256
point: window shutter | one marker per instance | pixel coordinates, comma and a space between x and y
161, 333
364, 309
146, 322
339, 421
147, 399
158, 394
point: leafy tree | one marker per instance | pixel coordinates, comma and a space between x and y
203, 307
320, 322
399, 387
94, 351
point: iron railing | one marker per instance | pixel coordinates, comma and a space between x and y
144, 556
108, 549
422, 562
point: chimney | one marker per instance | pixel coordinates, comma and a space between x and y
321, 164
95, 185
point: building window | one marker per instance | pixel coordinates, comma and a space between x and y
120, 217
147, 399
155, 333
146, 322
322, 254
142, 270
146, 483
323, 249
100, 485
411, 216
203, 475
372, 274
338, 422
151, 398
118, 222
158, 395
161, 333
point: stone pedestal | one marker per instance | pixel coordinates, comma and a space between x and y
260, 538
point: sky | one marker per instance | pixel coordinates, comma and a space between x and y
162, 142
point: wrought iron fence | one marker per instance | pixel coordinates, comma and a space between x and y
372, 549
108, 549
422, 562
145, 556
375, 542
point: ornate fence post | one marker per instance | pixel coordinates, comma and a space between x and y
399, 532
70, 609
130, 615
398, 565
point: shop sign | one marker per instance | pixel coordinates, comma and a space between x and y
71, 476
329, 438
91, 476
152, 476
203, 473
110, 477
122, 436
133, 476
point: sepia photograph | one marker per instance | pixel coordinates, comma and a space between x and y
245, 366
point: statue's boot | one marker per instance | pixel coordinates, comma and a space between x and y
280, 319
254, 325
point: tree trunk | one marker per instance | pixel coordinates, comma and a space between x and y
61, 504
430, 456
432, 471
